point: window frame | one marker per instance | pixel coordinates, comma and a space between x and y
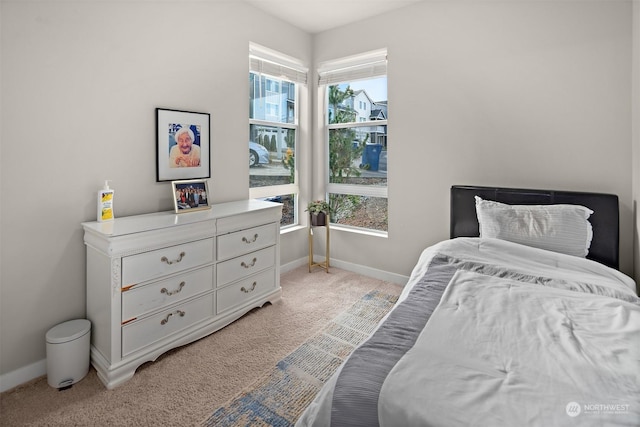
366, 66
273, 63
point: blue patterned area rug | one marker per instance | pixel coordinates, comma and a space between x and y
280, 397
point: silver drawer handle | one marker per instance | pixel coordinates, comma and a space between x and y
166, 319
245, 265
169, 293
165, 259
246, 291
255, 237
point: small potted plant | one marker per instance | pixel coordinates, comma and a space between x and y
318, 210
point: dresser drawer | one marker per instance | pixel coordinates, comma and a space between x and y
139, 334
241, 242
237, 268
149, 265
143, 299
245, 290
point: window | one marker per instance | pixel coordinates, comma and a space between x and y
274, 84
356, 134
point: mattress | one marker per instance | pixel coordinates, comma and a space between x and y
489, 332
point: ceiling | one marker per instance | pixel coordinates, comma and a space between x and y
315, 16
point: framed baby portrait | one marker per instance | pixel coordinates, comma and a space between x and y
183, 145
190, 195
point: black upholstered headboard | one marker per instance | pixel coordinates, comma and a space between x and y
604, 220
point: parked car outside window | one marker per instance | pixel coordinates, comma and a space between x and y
258, 155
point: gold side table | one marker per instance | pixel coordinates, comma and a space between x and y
312, 263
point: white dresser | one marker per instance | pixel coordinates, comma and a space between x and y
162, 280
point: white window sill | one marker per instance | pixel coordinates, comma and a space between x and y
357, 230
291, 229
339, 227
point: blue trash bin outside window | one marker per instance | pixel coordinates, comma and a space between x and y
371, 156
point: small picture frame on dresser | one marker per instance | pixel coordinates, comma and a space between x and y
190, 195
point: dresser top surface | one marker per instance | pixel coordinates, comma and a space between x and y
159, 220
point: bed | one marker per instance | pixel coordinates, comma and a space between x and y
520, 318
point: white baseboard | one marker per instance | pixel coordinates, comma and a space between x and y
356, 268
27, 373
293, 265
371, 272
23, 375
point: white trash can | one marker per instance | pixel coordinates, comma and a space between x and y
68, 352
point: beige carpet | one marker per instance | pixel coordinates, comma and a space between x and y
185, 385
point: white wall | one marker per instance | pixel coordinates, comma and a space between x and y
636, 139
80, 84
519, 94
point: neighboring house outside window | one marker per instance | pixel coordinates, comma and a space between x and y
356, 137
274, 82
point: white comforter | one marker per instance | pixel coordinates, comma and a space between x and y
503, 349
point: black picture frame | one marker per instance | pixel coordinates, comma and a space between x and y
190, 195
173, 162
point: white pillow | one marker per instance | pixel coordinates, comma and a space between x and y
558, 228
